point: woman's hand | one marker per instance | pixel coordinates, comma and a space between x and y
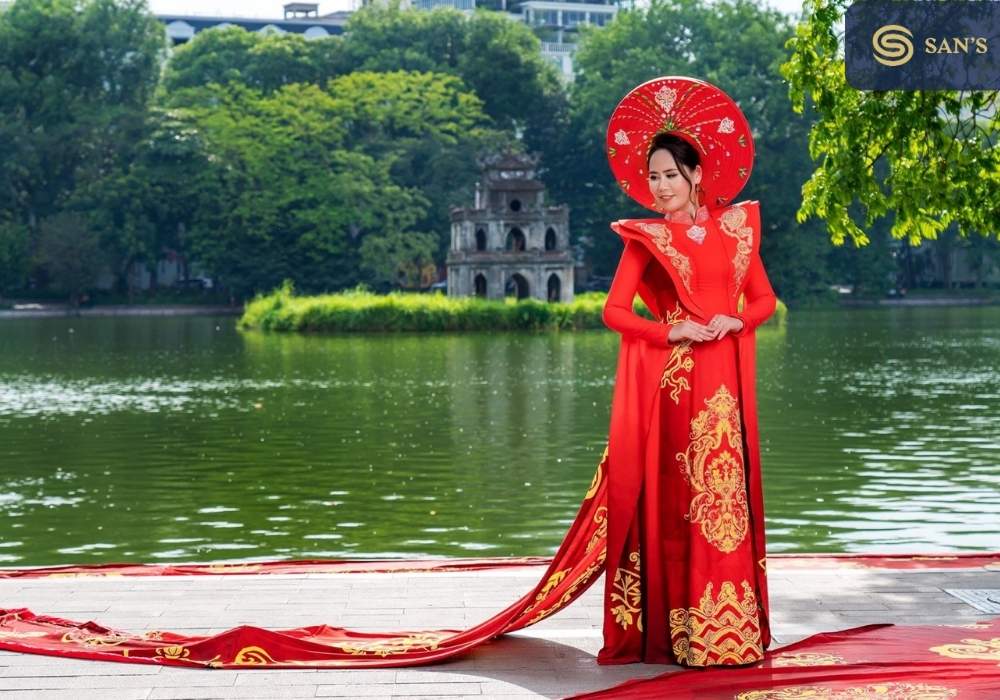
722, 324
690, 330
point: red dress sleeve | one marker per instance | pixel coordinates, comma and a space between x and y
618, 314
760, 299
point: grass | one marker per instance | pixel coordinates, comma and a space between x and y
359, 310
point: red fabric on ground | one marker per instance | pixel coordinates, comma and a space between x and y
887, 662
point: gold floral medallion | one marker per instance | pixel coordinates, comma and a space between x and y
718, 485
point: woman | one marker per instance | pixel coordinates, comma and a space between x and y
685, 577
673, 515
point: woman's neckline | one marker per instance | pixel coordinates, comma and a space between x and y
681, 216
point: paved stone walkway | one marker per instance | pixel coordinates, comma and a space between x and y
552, 659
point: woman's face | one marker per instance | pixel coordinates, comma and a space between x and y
670, 190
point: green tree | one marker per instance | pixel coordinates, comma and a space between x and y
265, 62
75, 83
287, 198
69, 250
939, 147
427, 127
498, 59
399, 259
702, 43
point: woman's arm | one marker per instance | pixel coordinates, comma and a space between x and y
618, 314
760, 299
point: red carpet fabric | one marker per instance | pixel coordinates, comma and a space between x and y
876, 662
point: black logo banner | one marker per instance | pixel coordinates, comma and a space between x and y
923, 45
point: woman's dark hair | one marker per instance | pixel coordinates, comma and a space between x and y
682, 151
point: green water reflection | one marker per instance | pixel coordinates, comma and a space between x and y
178, 439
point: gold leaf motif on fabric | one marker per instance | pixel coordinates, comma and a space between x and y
252, 656
872, 691
807, 658
663, 240
628, 594
595, 483
601, 519
723, 630
733, 222
173, 652
421, 641
680, 360
89, 639
982, 649
589, 573
233, 568
718, 486
25, 634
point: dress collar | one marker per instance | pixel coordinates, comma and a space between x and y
681, 216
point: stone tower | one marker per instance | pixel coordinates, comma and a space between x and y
510, 242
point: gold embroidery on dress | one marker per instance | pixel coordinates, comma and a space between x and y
984, 649
680, 359
882, 691
589, 573
601, 518
419, 641
662, 239
719, 496
719, 631
628, 592
807, 658
598, 476
733, 220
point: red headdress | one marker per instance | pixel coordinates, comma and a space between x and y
698, 112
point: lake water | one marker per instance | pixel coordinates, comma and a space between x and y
181, 439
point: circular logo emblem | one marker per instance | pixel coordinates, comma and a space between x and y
891, 45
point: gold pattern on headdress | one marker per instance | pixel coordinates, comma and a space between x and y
663, 240
723, 630
733, 220
873, 691
718, 487
982, 649
628, 593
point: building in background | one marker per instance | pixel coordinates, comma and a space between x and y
555, 22
510, 242
299, 18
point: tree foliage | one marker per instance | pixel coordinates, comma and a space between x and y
931, 157
75, 84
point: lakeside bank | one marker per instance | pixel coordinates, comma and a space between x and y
363, 311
